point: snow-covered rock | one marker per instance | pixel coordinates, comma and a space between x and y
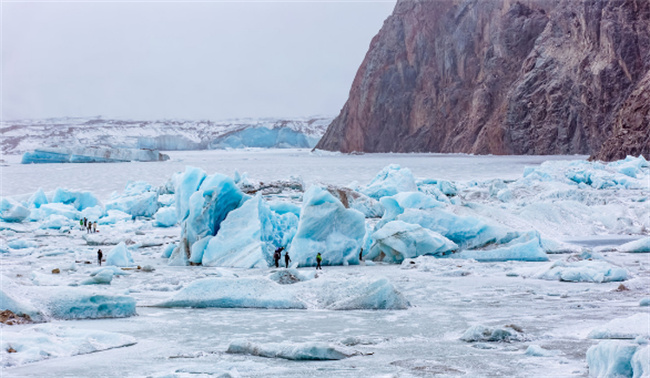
597, 271
624, 328
248, 236
92, 154
291, 351
120, 256
326, 226
397, 240
50, 341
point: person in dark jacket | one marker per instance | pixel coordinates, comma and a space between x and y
277, 255
100, 255
361, 255
319, 260
287, 259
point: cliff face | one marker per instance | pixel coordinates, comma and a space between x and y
500, 77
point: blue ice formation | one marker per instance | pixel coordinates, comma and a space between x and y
264, 137
56, 221
352, 294
390, 181
584, 271
103, 277
188, 183
614, 359
37, 199
48, 209
167, 251
249, 236
113, 217
19, 307
138, 199
492, 334
397, 240
637, 246
21, 244
396, 204
165, 217
644, 302
94, 213
12, 211
538, 351
641, 363
79, 200
120, 256
291, 351
234, 293
80, 304
527, 247
326, 226
90, 155
630, 327
198, 248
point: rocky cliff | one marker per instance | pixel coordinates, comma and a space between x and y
501, 77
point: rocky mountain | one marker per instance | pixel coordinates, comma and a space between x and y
26, 135
502, 77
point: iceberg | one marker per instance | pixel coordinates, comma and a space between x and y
326, 226
249, 236
187, 184
75, 303
641, 363
48, 341
485, 333
611, 359
113, 217
120, 256
79, 200
638, 246
234, 293
91, 154
291, 351
395, 205
18, 307
584, 271
21, 244
624, 328
397, 240
135, 202
37, 199
525, 248
103, 277
351, 199
48, 209
165, 217
353, 294
390, 181
11, 211
56, 221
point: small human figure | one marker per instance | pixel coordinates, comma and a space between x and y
95, 226
319, 260
287, 259
361, 255
99, 256
81, 223
89, 227
133, 218
277, 255
85, 222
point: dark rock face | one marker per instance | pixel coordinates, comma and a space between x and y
498, 77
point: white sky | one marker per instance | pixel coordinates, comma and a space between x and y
171, 59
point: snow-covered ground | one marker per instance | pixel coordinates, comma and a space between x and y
402, 315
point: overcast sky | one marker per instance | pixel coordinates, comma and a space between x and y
193, 60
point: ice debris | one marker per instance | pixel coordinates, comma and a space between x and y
618, 359
538, 351
597, 271
75, 303
638, 246
526, 247
397, 241
485, 333
165, 217
291, 351
12, 211
138, 199
120, 256
624, 328
17, 306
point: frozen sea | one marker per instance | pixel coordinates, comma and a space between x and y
447, 296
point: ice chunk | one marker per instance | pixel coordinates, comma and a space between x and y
390, 181
37, 199
188, 183
209, 205
353, 294
56, 221
103, 277
114, 216
165, 217
167, 251
198, 249
143, 204
48, 209
644, 302
120, 255
485, 333
12, 211
597, 271
290, 276
75, 303
397, 240
48, 341
641, 363
396, 204
326, 226
467, 232
234, 293
17, 306
352, 199
525, 248
249, 236
93, 213
79, 200
538, 351
638, 246
611, 359
21, 244
291, 351
624, 328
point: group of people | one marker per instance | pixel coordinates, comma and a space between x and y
278, 255
90, 226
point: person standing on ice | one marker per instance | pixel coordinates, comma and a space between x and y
361, 255
85, 222
287, 259
95, 226
319, 260
89, 226
99, 256
277, 255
